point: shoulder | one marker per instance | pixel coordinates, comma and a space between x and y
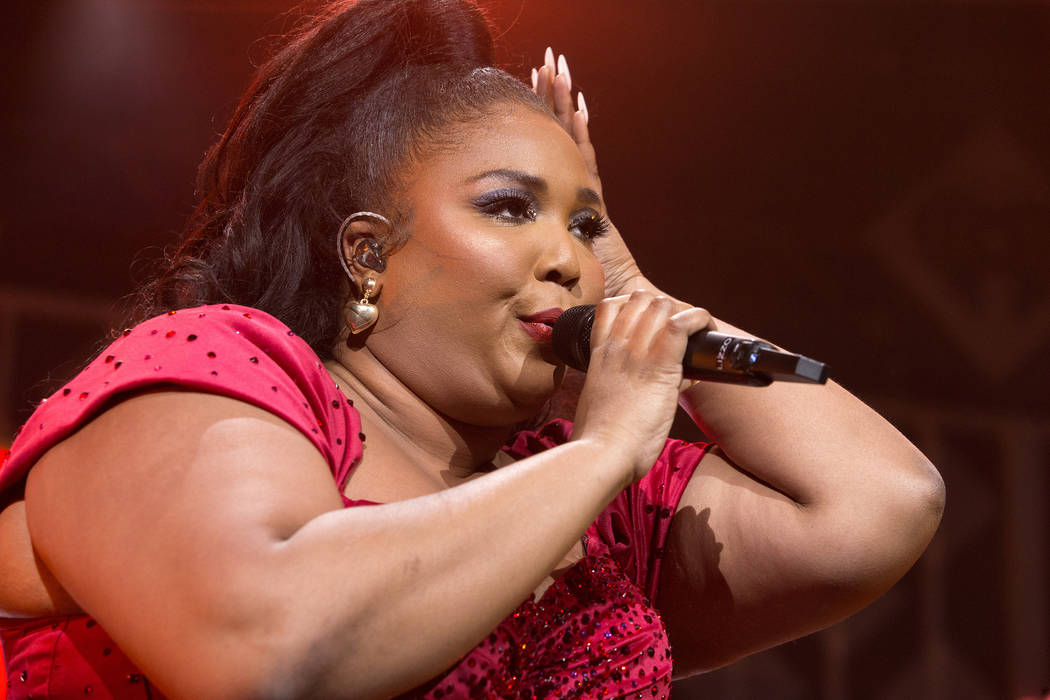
229, 350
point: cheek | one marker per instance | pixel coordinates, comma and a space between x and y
455, 261
445, 291
592, 280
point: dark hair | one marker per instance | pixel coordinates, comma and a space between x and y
322, 132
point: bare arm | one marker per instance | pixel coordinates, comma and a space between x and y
812, 507
28, 589
218, 523
233, 540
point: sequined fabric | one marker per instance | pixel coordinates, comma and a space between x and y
65, 657
592, 634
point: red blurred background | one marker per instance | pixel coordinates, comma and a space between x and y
865, 182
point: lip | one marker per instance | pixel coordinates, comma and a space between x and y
540, 332
546, 317
539, 324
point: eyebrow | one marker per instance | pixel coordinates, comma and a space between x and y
535, 183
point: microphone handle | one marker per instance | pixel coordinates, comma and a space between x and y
730, 359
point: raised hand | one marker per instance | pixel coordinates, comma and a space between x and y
553, 83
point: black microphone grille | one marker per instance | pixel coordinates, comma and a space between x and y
571, 336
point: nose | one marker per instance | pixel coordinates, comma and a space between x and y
558, 260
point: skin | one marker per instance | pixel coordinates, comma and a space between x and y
465, 278
812, 506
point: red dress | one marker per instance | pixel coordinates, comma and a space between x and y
593, 633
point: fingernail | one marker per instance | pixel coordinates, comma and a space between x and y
563, 69
581, 104
535, 78
548, 57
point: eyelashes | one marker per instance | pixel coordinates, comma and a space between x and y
508, 206
591, 226
513, 206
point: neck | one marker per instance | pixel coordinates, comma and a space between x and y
398, 422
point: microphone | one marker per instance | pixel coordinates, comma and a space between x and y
710, 356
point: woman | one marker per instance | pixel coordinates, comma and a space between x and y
359, 317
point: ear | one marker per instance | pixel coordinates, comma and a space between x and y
360, 248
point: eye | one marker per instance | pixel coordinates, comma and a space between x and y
589, 225
508, 206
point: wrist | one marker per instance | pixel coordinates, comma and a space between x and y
605, 464
637, 282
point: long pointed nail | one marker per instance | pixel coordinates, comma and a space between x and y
563, 69
548, 57
535, 78
581, 104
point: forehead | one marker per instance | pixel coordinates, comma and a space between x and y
510, 137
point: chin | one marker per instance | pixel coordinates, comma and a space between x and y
516, 395
533, 393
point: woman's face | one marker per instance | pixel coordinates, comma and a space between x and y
500, 229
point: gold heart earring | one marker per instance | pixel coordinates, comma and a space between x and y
362, 315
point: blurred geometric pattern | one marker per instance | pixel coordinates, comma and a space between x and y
960, 244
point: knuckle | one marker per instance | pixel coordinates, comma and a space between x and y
678, 325
605, 309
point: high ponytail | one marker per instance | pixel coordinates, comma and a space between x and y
356, 92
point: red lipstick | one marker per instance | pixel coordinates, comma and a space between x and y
538, 325
547, 316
